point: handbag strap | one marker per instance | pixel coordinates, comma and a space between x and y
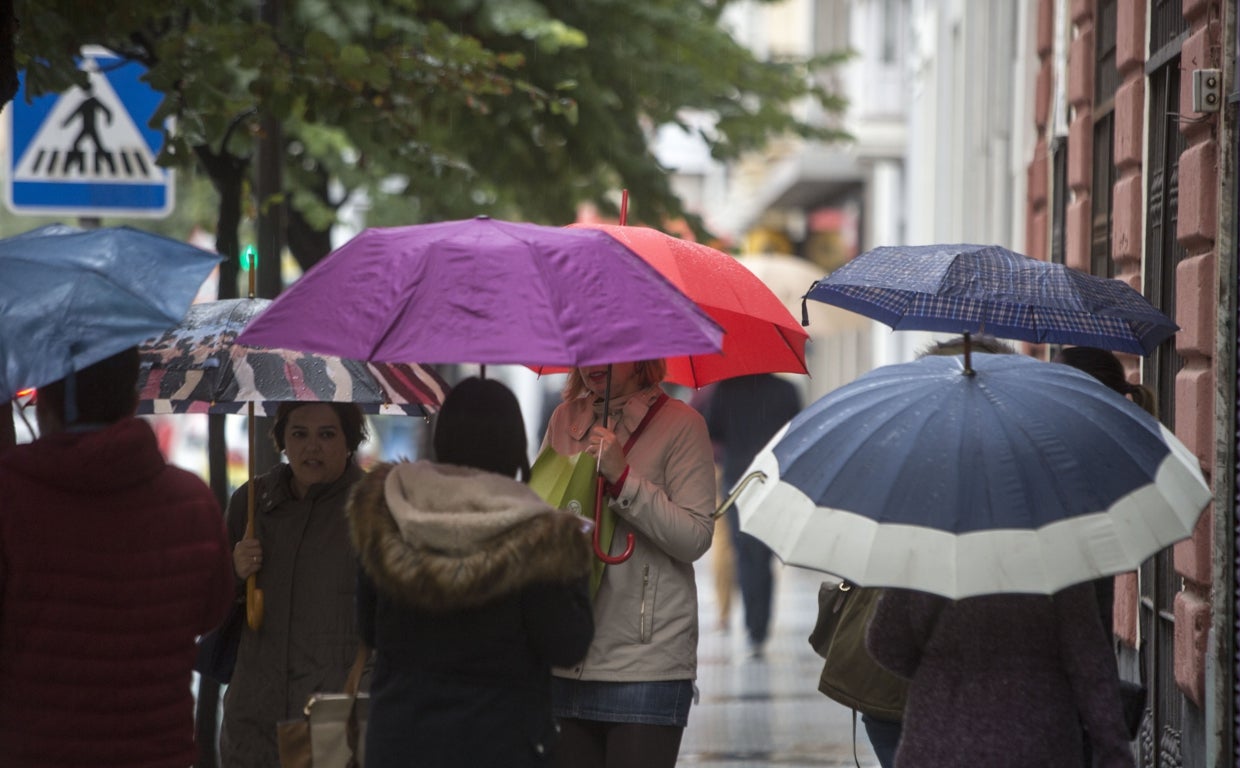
354, 679
351, 685
654, 408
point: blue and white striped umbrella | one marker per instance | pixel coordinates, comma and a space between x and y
1024, 477
990, 289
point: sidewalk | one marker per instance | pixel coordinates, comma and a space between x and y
767, 711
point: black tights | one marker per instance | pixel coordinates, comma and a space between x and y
594, 744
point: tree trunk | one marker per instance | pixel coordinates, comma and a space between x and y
227, 174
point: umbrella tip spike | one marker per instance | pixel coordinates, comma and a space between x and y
804, 313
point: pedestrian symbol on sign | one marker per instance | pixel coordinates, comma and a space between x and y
89, 151
88, 113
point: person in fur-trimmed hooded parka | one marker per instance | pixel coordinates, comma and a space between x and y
471, 588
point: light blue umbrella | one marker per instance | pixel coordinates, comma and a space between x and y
71, 297
1021, 477
990, 289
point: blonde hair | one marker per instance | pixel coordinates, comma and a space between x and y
648, 372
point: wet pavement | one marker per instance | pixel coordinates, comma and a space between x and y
766, 711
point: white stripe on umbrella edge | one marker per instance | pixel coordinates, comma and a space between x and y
1038, 562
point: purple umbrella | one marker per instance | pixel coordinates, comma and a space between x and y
485, 291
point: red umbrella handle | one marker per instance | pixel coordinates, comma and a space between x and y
598, 524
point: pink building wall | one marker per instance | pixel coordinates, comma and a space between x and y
1196, 308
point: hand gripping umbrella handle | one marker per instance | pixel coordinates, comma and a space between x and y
598, 524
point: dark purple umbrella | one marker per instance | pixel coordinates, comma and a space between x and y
485, 291
990, 289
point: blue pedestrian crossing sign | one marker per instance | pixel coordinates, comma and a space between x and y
88, 152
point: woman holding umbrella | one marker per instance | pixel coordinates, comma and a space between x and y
627, 702
305, 567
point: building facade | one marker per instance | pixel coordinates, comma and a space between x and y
1132, 177
1096, 133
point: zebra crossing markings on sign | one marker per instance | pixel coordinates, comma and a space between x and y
89, 151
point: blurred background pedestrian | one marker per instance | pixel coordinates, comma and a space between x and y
743, 414
722, 554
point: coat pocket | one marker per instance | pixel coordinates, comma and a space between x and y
650, 584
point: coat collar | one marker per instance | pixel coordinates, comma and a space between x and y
625, 412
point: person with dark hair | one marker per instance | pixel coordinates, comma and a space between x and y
744, 413
627, 703
1104, 366
470, 588
305, 568
112, 562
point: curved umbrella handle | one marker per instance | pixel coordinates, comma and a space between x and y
758, 475
598, 524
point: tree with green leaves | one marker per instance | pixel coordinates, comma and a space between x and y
519, 109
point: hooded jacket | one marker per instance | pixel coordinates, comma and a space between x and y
470, 588
111, 563
646, 610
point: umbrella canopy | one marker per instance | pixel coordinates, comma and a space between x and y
1024, 477
485, 291
990, 289
760, 334
71, 297
790, 277
197, 367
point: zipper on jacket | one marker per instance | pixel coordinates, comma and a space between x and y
645, 634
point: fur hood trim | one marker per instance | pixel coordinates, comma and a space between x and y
440, 537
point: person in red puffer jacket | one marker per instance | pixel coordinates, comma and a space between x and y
112, 562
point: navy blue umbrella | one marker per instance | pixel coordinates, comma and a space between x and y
990, 289
71, 297
1021, 477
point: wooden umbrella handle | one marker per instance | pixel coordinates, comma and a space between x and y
253, 595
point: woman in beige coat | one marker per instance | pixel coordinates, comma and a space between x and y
627, 702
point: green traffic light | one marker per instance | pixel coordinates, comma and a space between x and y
249, 258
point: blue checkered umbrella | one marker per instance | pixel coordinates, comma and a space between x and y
990, 289
1022, 477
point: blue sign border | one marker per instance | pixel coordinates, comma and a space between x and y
85, 198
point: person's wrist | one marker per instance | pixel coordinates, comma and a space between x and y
616, 486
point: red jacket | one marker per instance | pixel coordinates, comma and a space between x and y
111, 563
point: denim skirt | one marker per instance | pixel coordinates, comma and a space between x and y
660, 702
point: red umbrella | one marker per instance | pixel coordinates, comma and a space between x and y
760, 334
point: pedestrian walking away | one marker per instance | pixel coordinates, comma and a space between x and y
114, 562
1001, 679
471, 587
850, 675
744, 413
